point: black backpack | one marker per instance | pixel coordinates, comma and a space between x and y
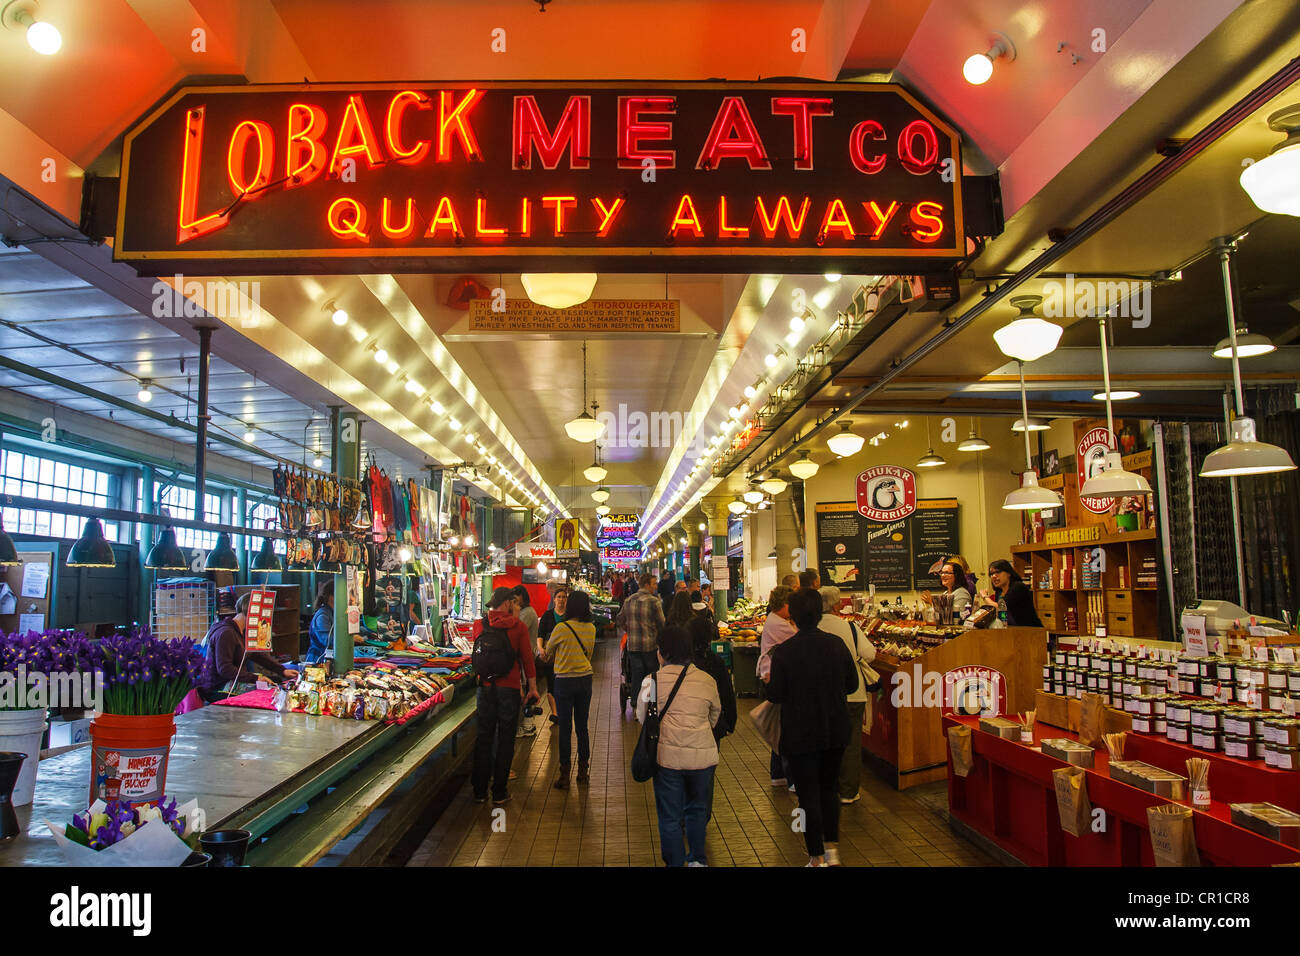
494, 653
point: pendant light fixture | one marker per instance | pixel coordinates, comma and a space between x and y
92, 549
930, 459
585, 428
165, 555
1029, 336
775, 484
846, 443
805, 467
1112, 481
1030, 496
266, 560
559, 290
1243, 454
1249, 344
1035, 425
737, 507
1273, 183
601, 494
753, 496
602, 510
973, 442
595, 474
222, 557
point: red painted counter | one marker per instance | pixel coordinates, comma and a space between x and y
1009, 798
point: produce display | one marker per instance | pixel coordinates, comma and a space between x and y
746, 610
740, 631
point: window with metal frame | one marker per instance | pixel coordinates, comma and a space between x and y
55, 480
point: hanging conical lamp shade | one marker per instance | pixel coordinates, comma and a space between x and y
92, 549
584, 428
846, 442
595, 473
931, 460
558, 290
1249, 344
165, 555
1243, 455
222, 557
973, 443
805, 467
8, 553
601, 495
1030, 336
325, 566
1113, 481
1031, 496
266, 560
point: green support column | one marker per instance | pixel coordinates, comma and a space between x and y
239, 518
695, 556
716, 513
148, 536
346, 446
719, 597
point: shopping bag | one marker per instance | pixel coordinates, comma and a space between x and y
959, 742
1072, 803
1092, 719
869, 714
1173, 835
767, 721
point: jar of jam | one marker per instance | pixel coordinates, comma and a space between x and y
1234, 745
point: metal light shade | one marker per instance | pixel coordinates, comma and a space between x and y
1113, 481
266, 559
165, 555
753, 496
846, 443
1028, 339
92, 549
805, 467
973, 443
595, 474
931, 460
8, 553
1031, 496
737, 507
1249, 344
1035, 425
558, 290
601, 495
222, 557
775, 485
328, 567
584, 428
1243, 455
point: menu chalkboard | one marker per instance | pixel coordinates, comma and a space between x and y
889, 554
839, 545
853, 552
935, 531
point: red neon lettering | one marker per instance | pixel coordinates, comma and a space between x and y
560, 203
525, 225
530, 130
237, 152
867, 128
606, 215
393, 124
801, 110
930, 141
458, 117
879, 219
395, 232
733, 136
927, 213
631, 131
306, 127
481, 228
342, 229
686, 218
725, 231
783, 212
836, 220
356, 126
188, 224
444, 215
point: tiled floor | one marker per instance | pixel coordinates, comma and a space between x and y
611, 820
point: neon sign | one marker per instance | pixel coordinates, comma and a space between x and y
266, 178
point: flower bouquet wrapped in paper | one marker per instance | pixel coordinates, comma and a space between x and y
116, 834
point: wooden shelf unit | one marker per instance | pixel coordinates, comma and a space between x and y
1080, 585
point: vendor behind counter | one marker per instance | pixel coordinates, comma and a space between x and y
228, 668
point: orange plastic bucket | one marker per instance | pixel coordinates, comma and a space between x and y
128, 757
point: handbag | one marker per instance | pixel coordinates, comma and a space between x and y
766, 718
645, 758
870, 678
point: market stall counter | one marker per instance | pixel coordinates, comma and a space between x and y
256, 769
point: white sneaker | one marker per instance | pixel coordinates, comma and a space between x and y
832, 857
853, 799
696, 863
811, 863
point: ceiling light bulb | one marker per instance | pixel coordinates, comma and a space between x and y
249, 437
750, 392
595, 473
1028, 337
752, 496
775, 485
145, 394
833, 277
602, 510
805, 467
381, 356
770, 360
317, 462
737, 507
339, 317
1271, 183
931, 460
1035, 425
453, 424
558, 290
414, 387
600, 495
392, 367
437, 407
977, 69
734, 411
584, 428
974, 443
703, 526
797, 324
42, 37
846, 443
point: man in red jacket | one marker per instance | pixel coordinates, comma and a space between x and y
498, 701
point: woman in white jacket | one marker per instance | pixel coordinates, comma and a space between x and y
688, 752
860, 649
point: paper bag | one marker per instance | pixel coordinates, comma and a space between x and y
1092, 719
767, 721
1173, 835
959, 743
869, 714
1072, 804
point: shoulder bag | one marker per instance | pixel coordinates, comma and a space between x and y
645, 758
870, 678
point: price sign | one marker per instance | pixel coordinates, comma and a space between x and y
1194, 639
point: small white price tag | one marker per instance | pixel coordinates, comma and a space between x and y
1285, 655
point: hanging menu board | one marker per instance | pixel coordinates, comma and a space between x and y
853, 552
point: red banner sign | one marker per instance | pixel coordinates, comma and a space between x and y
1090, 460
886, 493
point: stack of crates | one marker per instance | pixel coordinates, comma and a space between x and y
183, 607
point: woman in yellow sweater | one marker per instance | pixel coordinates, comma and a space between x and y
570, 646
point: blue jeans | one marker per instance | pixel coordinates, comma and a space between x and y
682, 805
640, 665
573, 703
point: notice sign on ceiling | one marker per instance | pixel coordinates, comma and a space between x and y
455, 176
596, 315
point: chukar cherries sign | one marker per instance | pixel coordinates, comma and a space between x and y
886, 493
1090, 461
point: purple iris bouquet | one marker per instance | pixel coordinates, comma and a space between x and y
145, 675
117, 821
43, 652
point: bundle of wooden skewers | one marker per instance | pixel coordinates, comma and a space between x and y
1027, 726
1198, 779
1115, 745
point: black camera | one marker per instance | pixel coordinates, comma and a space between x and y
533, 710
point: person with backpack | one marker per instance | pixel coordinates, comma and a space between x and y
501, 648
571, 644
687, 754
863, 653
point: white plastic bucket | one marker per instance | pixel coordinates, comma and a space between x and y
21, 732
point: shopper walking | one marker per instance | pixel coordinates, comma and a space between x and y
1010, 596
501, 649
790, 581
545, 669
527, 724
703, 632
680, 612
687, 700
570, 647
667, 588
776, 630
862, 652
642, 618
811, 678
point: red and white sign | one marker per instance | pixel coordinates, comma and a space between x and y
886, 493
974, 690
257, 629
534, 551
1090, 461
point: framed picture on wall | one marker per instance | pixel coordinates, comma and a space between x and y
1051, 463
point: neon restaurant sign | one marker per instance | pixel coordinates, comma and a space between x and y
447, 177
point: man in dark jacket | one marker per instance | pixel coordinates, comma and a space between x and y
812, 676
667, 588
224, 646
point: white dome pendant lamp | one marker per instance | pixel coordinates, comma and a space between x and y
1112, 481
585, 428
1030, 496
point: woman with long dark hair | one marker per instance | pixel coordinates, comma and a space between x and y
1014, 601
571, 644
680, 612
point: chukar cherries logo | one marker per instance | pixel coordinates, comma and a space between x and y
886, 493
1090, 461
